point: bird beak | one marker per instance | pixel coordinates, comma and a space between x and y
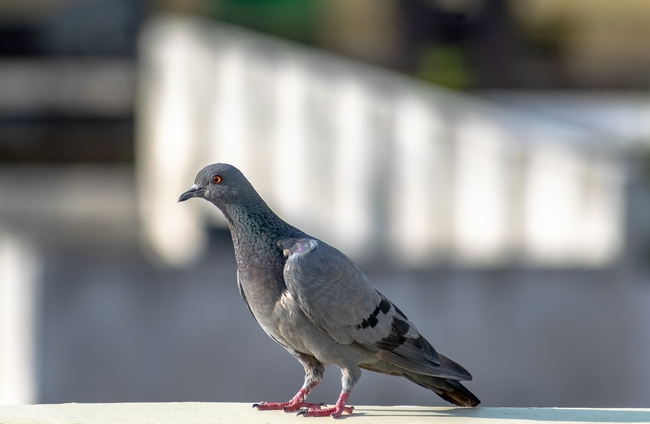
194, 191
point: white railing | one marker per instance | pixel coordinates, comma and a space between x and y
378, 164
20, 288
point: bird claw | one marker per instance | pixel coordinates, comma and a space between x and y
290, 406
268, 406
333, 412
303, 407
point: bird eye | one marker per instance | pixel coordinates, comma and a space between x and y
216, 179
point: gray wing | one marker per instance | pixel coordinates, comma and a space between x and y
243, 295
339, 299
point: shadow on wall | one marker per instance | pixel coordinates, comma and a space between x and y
576, 415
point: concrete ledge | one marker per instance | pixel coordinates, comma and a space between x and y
231, 413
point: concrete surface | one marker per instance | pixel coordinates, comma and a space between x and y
194, 412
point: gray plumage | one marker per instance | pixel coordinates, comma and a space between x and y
315, 302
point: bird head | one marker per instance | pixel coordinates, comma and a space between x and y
218, 183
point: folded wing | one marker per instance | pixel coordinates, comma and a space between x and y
339, 299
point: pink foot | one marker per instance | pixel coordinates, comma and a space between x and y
294, 404
334, 411
290, 406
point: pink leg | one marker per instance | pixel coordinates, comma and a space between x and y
294, 404
334, 411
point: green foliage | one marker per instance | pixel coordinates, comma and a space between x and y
291, 19
445, 65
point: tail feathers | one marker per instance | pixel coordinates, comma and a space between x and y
450, 390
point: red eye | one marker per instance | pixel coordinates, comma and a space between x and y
217, 179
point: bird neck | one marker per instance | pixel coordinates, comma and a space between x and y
253, 223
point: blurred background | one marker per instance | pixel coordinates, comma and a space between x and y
485, 162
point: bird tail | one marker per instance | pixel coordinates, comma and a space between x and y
450, 390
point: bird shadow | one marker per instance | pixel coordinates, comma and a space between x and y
523, 414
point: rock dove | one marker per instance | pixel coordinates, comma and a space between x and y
315, 302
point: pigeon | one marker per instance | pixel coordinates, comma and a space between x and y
318, 304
